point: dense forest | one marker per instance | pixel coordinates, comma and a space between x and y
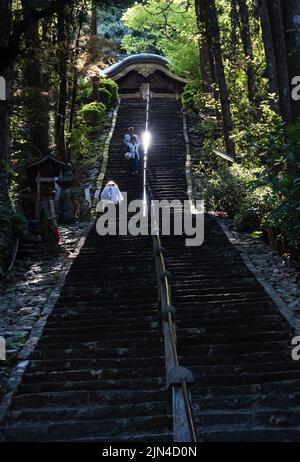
242, 62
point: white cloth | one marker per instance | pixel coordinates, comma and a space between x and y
133, 151
127, 139
57, 188
111, 194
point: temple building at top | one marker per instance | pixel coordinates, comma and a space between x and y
135, 71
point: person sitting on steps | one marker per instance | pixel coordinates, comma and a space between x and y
111, 193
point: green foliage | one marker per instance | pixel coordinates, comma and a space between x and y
227, 189
191, 96
138, 44
109, 95
112, 87
85, 89
282, 172
105, 97
254, 208
92, 113
89, 119
79, 143
267, 197
169, 31
253, 130
110, 24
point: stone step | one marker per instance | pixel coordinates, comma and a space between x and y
148, 383
261, 434
87, 397
95, 352
87, 374
82, 363
249, 402
71, 430
81, 413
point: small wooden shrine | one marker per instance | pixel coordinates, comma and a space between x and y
42, 175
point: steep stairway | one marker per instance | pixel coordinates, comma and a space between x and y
98, 373
230, 333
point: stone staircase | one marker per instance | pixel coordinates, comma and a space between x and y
98, 371
230, 333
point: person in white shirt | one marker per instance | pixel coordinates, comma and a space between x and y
111, 193
133, 155
128, 137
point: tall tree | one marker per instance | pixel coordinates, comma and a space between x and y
291, 23
206, 74
234, 19
280, 51
215, 44
63, 85
95, 79
5, 27
75, 72
269, 54
248, 49
12, 32
35, 95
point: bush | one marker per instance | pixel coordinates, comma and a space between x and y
227, 189
105, 97
282, 172
254, 208
79, 144
85, 90
108, 90
191, 96
112, 87
92, 113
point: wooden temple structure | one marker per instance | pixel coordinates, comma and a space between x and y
134, 72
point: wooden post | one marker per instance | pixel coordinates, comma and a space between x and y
38, 186
37, 202
52, 212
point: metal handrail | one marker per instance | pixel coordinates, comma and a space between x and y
165, 289
164, 286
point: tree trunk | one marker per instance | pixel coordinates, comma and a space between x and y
94, 18
215, 43
277, 29
62, 99
291, 22
75, 80
206, 74
248, 49
5, 27
35, 95
234, 19
95, 79
269, 54
75, 75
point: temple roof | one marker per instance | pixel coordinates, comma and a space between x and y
141, 60
44, 160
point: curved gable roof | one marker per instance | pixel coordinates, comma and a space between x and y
121, 68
